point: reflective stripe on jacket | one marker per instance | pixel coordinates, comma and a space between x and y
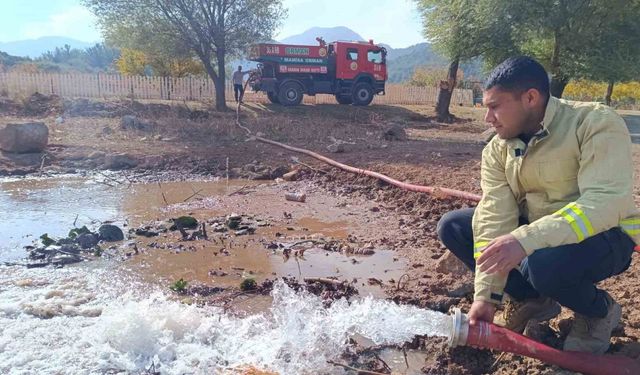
574, 179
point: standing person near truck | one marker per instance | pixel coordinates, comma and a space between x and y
557, 213
238, 84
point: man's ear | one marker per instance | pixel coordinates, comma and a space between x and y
532, 97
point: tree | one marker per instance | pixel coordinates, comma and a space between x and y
131, 62
210, 30
617, 52
101, 56
136, 62
561, 34
431, 77
460, 30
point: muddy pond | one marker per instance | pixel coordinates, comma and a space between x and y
116, 314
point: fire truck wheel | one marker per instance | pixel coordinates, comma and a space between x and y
362, 94
273, 97
341, 99
290, 94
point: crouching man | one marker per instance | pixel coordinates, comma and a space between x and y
557, 214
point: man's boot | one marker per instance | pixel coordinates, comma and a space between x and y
516, 314
593, 335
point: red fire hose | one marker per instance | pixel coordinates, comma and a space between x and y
486, 335
437, 191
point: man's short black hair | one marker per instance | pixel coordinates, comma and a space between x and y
519, 74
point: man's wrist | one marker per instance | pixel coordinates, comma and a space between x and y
526, 239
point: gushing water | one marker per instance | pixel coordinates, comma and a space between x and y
72, 321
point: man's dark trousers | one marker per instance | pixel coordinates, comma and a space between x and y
566, 273
238, 92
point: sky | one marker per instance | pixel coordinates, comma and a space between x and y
394, 22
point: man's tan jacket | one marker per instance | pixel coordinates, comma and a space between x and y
573, 180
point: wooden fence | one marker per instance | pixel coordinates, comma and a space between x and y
190, 88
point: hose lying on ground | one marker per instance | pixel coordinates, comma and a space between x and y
435, 191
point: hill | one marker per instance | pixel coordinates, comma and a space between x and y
329, 34
36, 47
402, 62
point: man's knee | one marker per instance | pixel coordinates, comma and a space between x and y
445, 226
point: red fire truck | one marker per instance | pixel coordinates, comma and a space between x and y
352, 71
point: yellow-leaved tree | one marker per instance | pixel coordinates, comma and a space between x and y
131, 62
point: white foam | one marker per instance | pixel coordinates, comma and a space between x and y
130, 331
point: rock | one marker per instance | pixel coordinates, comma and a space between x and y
233, 221
62, 259
146, 232
296, 197
107, 130
24, 138
449, 264
69, 249
291, 176
87, 240
184, 222
217, 227
336, 148
278, 172
119, 161
110, 233
394, 133
60, 120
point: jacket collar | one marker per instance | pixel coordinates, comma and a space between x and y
550, 112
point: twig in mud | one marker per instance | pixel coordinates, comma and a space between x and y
127, 178
299, 270
44, 157
192, 195
110, 178
106, 183
72, 254
204, 231
237, 191
162, 192
496, 361
386, 366
357, 370
227, 171
297, 161
404, 352
306, 241
400, 280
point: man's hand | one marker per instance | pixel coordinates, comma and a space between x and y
501, 255
481, 311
